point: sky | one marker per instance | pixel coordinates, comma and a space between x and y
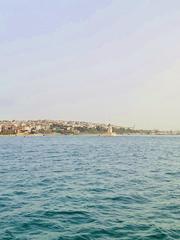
105, 61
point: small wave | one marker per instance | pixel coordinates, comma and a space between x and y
128, 199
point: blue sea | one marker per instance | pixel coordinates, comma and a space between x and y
86, 187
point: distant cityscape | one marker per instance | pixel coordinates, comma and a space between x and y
45, 127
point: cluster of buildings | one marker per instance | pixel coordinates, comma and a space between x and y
16, 127
28, 127
23, 127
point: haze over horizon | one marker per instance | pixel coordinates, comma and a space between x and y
97, 61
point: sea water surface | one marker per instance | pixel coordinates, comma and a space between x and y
79, 187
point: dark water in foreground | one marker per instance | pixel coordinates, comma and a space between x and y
89, 188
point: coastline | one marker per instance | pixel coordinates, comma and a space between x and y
89, 135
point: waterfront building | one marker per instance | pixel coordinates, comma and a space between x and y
110, 130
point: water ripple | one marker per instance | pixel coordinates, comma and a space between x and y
64, 188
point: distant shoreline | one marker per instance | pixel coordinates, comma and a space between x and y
60, 127
90, 135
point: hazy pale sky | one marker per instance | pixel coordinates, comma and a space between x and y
96, 60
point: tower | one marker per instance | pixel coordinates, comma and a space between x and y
110, 131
